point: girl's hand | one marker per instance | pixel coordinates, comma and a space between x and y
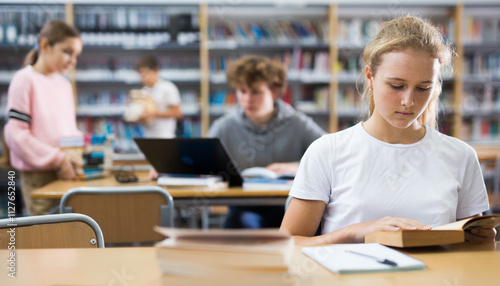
153, 175
66, 170
481, 234
358, 231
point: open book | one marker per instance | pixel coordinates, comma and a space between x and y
217, 252
445, 234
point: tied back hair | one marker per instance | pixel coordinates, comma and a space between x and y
54, 31
403, 33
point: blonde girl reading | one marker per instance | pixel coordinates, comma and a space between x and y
394, 170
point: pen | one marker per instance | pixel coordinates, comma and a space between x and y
379, 260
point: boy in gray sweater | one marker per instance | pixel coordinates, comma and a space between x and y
263, 131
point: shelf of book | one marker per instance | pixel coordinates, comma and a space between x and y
120, 46
319, 43
20, 23
481, 73
469, 102
115, 38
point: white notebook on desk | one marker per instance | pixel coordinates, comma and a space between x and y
359, 258
267, 185
200, 180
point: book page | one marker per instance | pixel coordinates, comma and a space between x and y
458, 225
487, 221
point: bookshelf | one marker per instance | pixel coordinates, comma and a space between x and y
320, 43
481, 74
194, 60
115, 37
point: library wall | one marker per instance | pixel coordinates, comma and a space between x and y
115, 36
320, 45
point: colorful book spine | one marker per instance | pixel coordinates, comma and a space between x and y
96, 152
268, 32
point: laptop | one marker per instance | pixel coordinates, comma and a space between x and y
194, 156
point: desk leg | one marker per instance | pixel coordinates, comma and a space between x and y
205, 217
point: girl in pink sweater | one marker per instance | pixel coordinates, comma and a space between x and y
41, 110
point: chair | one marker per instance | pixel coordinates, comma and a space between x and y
51, 231
125, 214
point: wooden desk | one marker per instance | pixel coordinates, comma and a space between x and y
182, 197
462, 264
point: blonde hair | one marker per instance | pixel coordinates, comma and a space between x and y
252, 69
400, 34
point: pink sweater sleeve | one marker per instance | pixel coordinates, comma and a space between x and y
33, 154
30, 153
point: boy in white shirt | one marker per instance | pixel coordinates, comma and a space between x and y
162, 122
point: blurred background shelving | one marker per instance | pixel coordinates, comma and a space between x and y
320, 43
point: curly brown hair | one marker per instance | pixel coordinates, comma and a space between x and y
252, 69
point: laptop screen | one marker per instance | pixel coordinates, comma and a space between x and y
196, 156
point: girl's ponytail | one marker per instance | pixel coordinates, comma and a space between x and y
31, 58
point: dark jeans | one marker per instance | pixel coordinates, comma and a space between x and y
254, 217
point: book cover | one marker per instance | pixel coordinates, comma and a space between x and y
445, 234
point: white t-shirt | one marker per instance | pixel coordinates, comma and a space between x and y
165, 93
434, 181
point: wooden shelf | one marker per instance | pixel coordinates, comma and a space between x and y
139, 48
